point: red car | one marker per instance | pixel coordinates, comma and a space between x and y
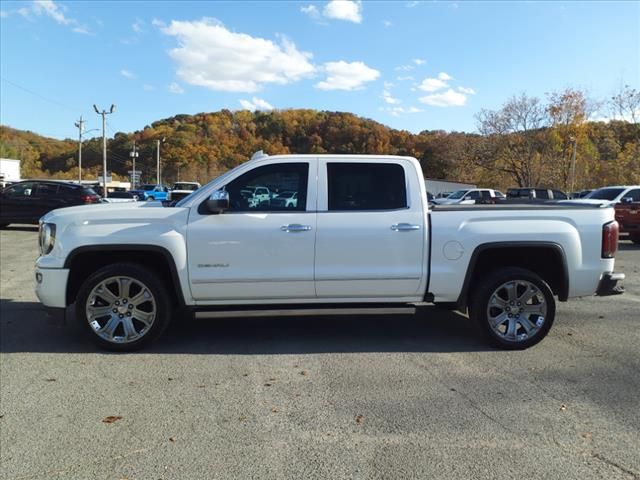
628, 216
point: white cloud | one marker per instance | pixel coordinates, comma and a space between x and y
388, 85
450, 98
175, 88
405, 78
127, 74
432, 84
138, 26
349, 10
387, 23
158, 23
346, 76
209, 55
419, 61
388, 98
444, 76
310, 10
49, 8
256, 104
405, 68
397, 111
413, 3
468, 91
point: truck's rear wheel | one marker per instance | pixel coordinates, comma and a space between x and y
514, 307
123, 307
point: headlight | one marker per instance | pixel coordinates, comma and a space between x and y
47, 237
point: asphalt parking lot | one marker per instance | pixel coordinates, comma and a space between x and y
328, 398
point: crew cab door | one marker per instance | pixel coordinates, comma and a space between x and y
371, 234
256, 249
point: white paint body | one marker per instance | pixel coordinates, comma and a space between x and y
343, 257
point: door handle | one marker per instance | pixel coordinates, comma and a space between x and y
404, 227
295, 227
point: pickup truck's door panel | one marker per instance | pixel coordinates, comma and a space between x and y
259, 254
374, 253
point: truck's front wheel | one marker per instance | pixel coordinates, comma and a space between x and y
514, 307
123, 307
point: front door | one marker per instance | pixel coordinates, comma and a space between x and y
260, 248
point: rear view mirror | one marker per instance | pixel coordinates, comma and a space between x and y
218, 201
627, 200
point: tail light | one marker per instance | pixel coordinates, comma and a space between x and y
88, 198
610, 239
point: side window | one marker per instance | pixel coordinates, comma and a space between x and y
46, 189
486, 194
634, 194
557, 194
67, 191
366, 186
541, 193
258, 189
20, 190
475, 195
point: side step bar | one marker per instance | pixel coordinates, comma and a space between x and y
299, 312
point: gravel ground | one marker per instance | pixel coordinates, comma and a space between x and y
328, 398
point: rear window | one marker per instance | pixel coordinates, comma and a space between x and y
366, 186
88, 191
542, 193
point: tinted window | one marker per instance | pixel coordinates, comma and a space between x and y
634, 194
559, 195
68, 190
258, 188
20, 190
475, 195
541, 193
121, 195
486, 194
605, 193
88, 191
457, 194
366, 186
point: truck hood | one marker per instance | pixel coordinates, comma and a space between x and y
105, 213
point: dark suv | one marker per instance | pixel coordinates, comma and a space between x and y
527, 193
26, 202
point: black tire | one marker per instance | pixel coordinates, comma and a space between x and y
3, 225
150, 199
137, 276
513, 333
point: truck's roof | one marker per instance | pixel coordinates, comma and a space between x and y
562, 205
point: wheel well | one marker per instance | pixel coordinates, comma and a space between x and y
547, 261
83, 264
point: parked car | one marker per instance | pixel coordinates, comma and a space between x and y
361, 239
442, 195
612, 194
580, 194
286, 199
154, 192
470, 197
119, 197
181, 190
628, 215
27, 201
532, 193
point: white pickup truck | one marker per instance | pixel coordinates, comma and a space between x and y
360, 239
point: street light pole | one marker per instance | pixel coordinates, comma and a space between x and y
133, 154
80, 124
573, 163
158, 161
104, 113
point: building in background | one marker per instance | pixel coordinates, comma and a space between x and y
9, 171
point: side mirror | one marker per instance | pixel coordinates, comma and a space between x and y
218, 201
627, 200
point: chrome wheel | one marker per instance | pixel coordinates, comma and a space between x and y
516, 310
120, 309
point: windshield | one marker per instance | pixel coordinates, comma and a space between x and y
605, 193
147, 187
217, 179
458, 194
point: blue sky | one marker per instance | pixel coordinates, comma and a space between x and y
410, 65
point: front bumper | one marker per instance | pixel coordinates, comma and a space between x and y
51, 286
609, 284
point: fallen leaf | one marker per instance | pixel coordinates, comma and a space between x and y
274, 410
51, 380
359, 419
587, 435
303, 372
201, 386
245, 374
267, 384
272, 379
242, 418
169, 378
563, 407
172, 439
111, 419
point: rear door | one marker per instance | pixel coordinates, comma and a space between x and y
46, 198
17, 203
371, 238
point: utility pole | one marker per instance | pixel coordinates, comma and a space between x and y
158, 161
133, 154
573, 163
104, 113
80, 124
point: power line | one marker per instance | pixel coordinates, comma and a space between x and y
73, 109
